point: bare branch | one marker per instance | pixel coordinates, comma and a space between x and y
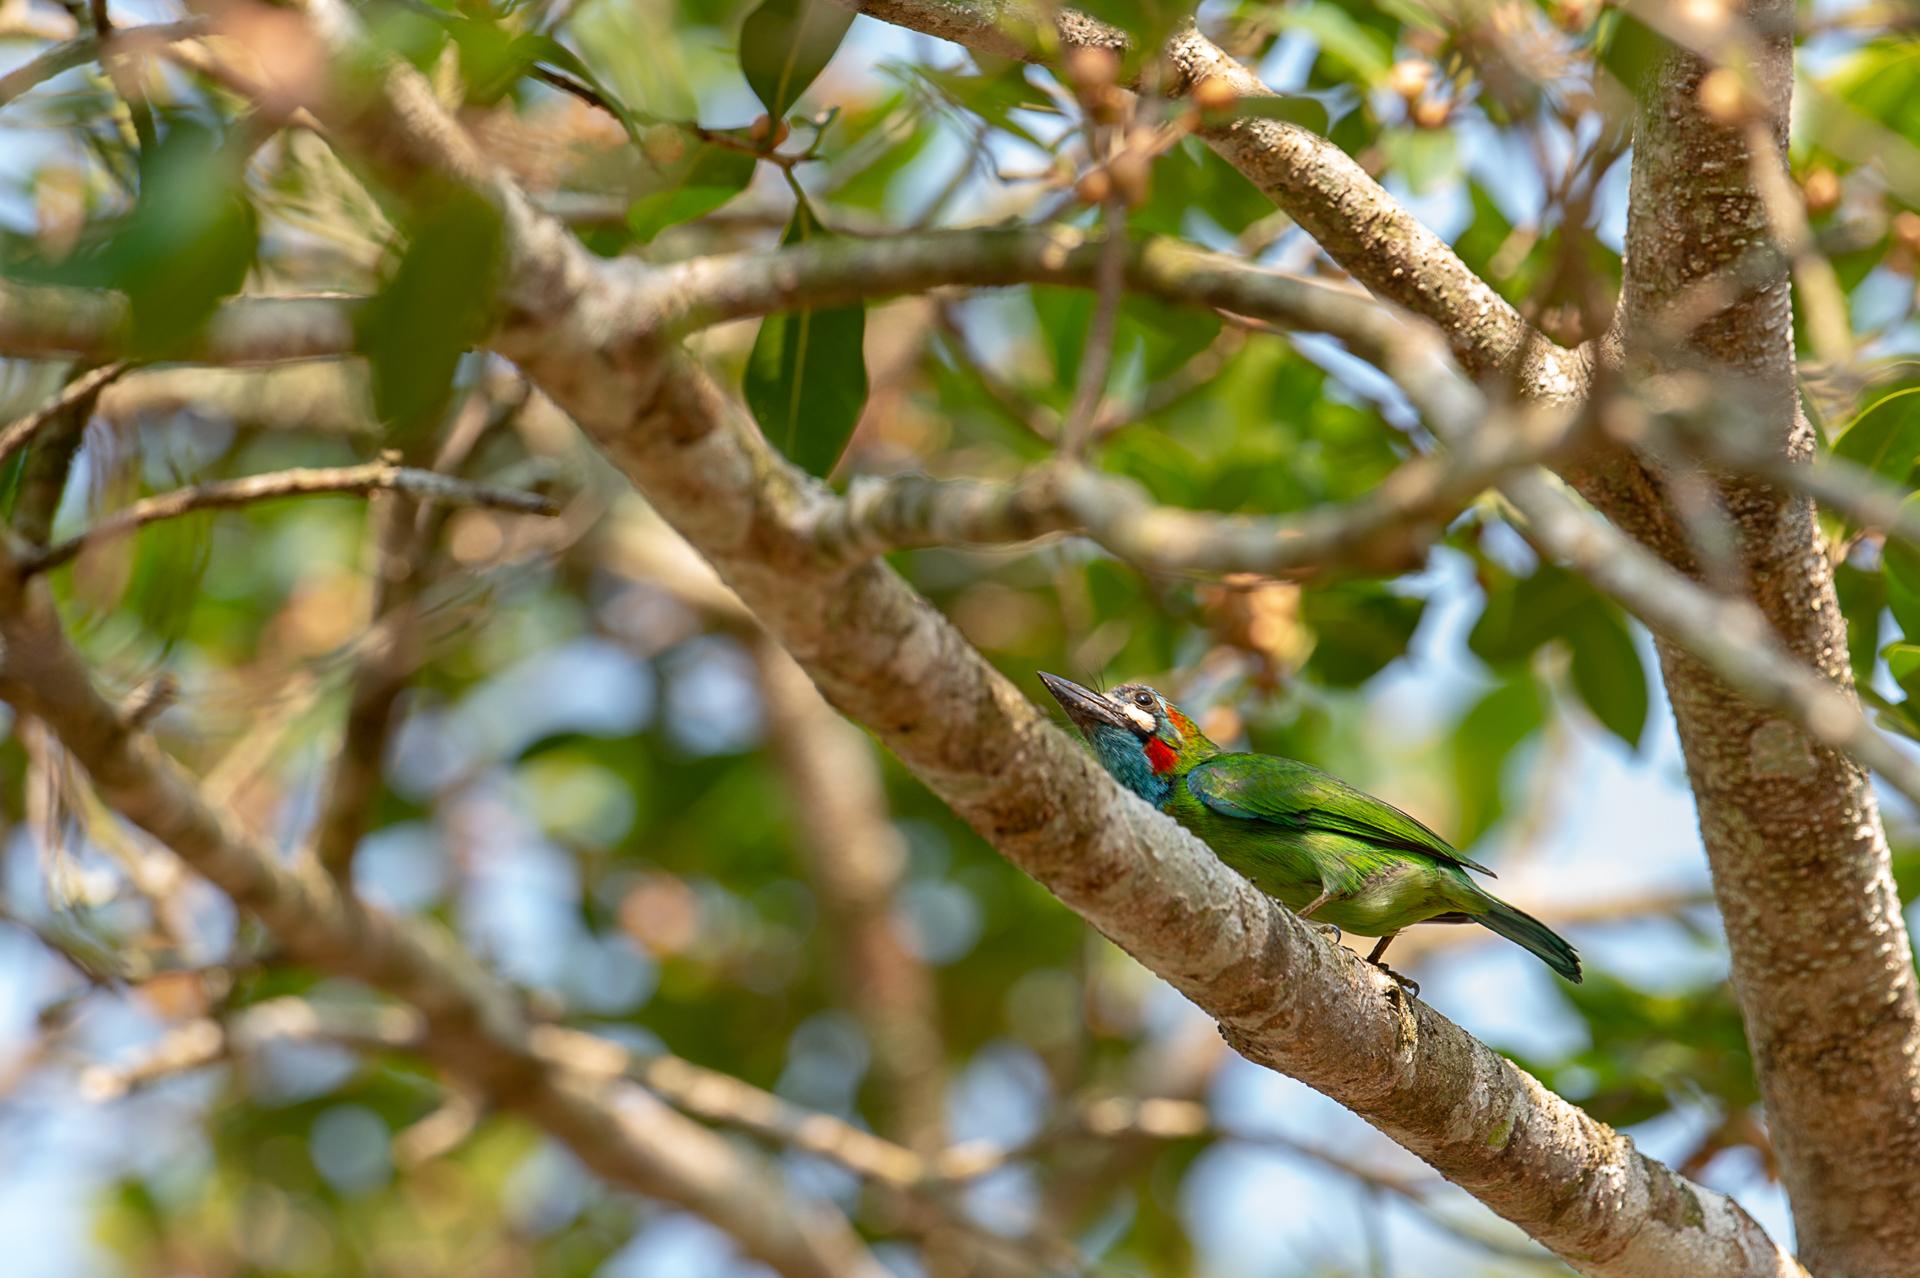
1385, 531
226, 494
39, 321
85, 47
18, 433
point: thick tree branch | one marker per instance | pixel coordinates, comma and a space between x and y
1822, 963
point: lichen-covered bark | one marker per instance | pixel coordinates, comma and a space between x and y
1821, 959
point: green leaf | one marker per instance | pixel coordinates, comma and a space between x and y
1608, 674
437, 303
1364, 53
784, 44
1361, 627
1863, 598
693, 185
1900, 565
1147, 22
994, 96
1486, 737
1191, 178
1308, 113
1903, 662
1885, 437
1520, 617
1424, 158
188, 241
806, 378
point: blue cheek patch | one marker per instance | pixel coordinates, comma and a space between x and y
1121, 754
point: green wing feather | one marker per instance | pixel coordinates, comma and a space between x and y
1264, 787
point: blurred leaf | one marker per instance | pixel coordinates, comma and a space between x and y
1148, 22
1900, 565
1608, 674
993, 95
1191, 179
1903, 662
1361, 627
1424, 158
187, 242
1627, 47
784, 44
698, 181
436, 305
1651, 1052
1528, 613
1483, 741
1308, 113
1362, 54
807, 375
1863, 598
1885, 436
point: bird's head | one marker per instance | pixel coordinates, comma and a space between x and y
1137, 734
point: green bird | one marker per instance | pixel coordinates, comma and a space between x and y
1330, 852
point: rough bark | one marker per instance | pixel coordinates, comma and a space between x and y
1822, 963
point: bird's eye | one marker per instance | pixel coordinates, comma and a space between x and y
1143, 698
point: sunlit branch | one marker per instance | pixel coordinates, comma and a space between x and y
18, 433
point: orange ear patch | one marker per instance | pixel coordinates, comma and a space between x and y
1160, 755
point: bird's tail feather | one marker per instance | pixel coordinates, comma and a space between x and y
1533, 936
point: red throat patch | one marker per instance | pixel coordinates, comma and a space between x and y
1160, 755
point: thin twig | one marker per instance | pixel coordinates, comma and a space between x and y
423, 485
16, 434
84, 47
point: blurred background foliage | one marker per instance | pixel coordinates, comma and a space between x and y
586, 782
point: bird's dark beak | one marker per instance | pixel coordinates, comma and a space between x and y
1084, 706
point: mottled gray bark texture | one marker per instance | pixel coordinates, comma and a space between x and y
1822, 964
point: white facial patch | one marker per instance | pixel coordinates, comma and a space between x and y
1141, 719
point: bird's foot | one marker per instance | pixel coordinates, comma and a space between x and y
1407, 983
1328, 930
